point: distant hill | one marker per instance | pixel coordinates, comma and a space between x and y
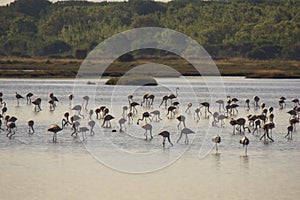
256, 29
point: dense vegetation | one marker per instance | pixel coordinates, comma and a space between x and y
258, 29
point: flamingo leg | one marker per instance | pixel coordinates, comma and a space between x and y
170, 140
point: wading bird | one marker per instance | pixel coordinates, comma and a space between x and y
245, 142
148, 127
145, 116
92, 124
11, 127
54, 128
30, 124
18, 96
107, 120
165, 135
28, 97
122, 124
185, 131
37, 104
216, 139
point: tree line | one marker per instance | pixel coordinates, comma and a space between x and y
255, 29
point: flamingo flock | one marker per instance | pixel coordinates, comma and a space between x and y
260, 122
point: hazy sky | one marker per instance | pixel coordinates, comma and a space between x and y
4, 2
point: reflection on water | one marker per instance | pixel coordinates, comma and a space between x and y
245, 161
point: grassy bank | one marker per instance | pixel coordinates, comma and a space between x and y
13, 67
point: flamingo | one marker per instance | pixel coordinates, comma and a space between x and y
12, 119
28, 97
85, 102
149, 99
148, 127
52, 105
293, 113
1, 117
125, 111
132, 107
221, 118
215, 116
54, 128
130, 98
265, 111
75, 125
65, 121
271, 109
53, 98
70, 97
296, 102
176, 104
233, 107
18, 96
1, 101
6, 118
256, 100
121, 123
11, 127
37, 104
92, 124
262, 117
30, 126
281, 102
77, 109
83, 130
221, 104
105, 112
173, 96
206, 105
91, 112
181, 119
262, 105
233, 123
97, 112
75, 118
4, 109
289, 134
130, 117
245, 142
164, 100
171, 110
156, 114
293, 122
145, 115
165, 135
106, 121
188, 109
196, 114
241, 124
257, 126
271, 117
185, 131
268, 126
216, 139
247, 104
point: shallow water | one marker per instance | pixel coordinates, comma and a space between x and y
94, 168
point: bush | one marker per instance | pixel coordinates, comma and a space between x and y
56, 47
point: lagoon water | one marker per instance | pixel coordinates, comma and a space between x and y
122, 165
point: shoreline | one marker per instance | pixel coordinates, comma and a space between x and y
14, 67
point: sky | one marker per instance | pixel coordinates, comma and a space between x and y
5, 2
